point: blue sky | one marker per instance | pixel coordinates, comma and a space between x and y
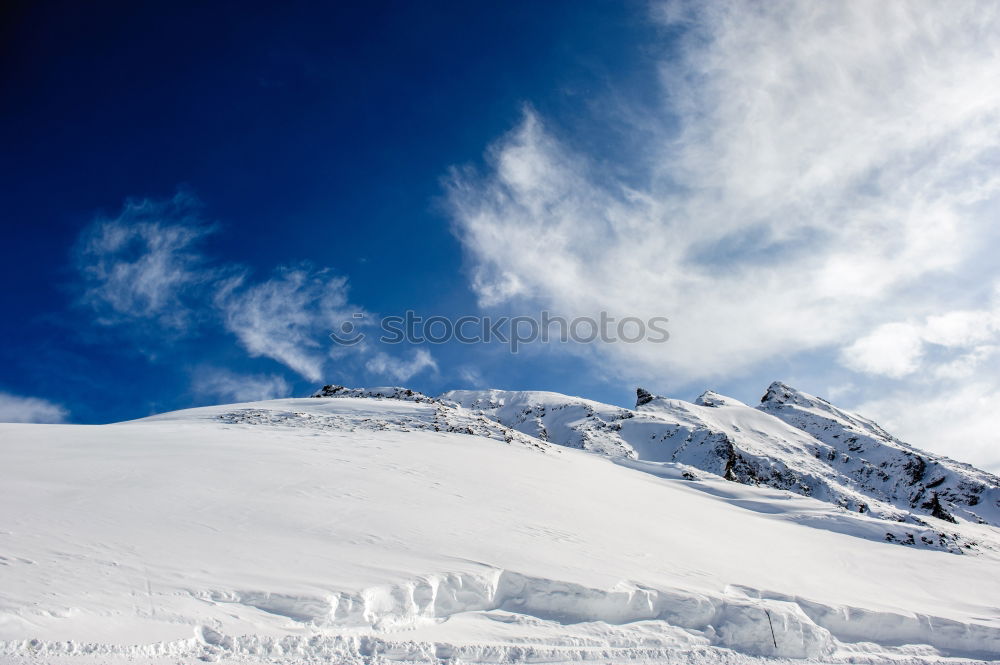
195, 195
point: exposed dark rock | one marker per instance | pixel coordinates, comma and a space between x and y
937, 510
642, 396
375, 393
916, 467
328, 391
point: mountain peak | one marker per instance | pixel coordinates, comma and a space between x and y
792, 441
780, 393
386, 392
643, 396
713, 399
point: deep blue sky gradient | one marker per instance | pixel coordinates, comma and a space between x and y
314, 132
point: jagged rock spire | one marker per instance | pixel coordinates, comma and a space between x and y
642, 396
778, 393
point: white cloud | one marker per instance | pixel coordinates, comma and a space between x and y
471, 377
401, 370
892, 349
820, 176
288, 318
225, 384
948, 345
949, 401
962, 328
960, 422
17, 409
966, 364
142, 264
816, 170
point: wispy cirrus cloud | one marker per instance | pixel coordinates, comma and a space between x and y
18, 409
471, 376
814, 171
145, 271
288, 317
814, 160
221, 383
145, 264
399, 369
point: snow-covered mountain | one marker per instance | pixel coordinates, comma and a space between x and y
884, 467
792, 441
382, 525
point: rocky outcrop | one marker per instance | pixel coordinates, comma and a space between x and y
392, 392
642, 396
882, 466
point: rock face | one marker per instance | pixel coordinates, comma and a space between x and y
642, 396
882, 466
792, 441
391, 392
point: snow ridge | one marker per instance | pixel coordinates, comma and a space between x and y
883, 466
743, 620
793, 441
387, 392
440, 418
381, 526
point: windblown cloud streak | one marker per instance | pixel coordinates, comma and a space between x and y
817, 170
144, 264
288, 317
383, 364
222, 383
18, 409
144, 269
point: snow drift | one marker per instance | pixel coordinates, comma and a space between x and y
381, 525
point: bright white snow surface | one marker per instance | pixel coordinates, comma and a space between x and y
350, 530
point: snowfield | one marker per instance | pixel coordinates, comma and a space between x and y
384, 526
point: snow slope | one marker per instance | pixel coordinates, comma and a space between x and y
365, 529
792, 441
883, 466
